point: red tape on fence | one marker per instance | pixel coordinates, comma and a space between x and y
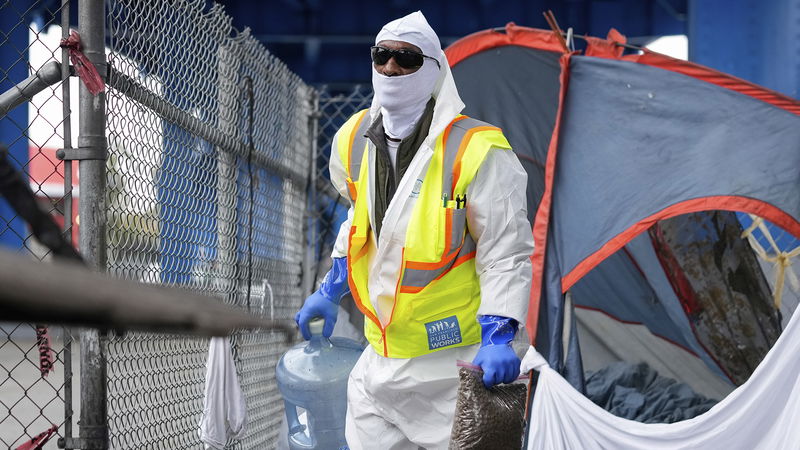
46, 359
39, 440
87, 71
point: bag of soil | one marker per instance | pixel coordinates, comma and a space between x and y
487, 418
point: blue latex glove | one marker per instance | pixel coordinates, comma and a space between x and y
325, 301
496, 357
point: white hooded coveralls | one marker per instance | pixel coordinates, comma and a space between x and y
409, 403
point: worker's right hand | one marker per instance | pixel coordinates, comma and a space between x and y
325, 302
317, 305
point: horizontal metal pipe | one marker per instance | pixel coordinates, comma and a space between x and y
24, 91
67, 293
365, 39
171, 113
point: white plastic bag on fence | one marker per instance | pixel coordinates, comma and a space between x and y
224, 409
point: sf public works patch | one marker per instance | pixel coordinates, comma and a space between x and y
443, 332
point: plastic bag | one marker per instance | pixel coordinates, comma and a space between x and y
487, 418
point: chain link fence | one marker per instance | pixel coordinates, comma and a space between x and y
35, 368
209, 143
336, 105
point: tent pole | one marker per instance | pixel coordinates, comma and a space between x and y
533, 379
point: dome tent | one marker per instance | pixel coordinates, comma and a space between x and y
613, 144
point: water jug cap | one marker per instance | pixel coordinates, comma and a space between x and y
315, 326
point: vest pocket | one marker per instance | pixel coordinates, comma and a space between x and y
447, 318
458, 220
422, 275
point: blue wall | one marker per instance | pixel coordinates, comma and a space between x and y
14, 65
755, 40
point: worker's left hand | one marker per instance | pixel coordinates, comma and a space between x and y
499, 362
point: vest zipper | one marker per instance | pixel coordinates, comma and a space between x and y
388, 198
394, 303
383, 340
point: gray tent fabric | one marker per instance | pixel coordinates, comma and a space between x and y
598, 290
524, 102
527, 74
657, 115
636, 140
679, 137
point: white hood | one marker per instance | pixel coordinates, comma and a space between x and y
414, 29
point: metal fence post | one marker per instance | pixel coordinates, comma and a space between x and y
310, 260
67, 131
92, 213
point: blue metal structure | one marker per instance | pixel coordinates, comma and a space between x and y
326, 42
755, 40
14, 65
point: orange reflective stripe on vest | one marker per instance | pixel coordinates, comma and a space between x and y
351, 145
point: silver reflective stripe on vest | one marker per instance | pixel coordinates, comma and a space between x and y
359, 145
457, 228
419, 278
457, 133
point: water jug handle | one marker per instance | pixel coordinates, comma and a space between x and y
297, 430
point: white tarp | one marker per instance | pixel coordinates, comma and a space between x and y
763, 413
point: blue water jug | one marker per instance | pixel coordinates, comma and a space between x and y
313, 375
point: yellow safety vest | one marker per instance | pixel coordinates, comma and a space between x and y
438, 292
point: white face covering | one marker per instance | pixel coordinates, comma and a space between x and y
403, 97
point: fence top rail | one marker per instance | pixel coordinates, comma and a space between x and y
171, 113
72, 294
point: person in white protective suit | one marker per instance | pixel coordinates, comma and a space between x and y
435, 249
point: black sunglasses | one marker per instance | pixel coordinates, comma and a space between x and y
406, 59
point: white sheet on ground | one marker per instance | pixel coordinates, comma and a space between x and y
763, 413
